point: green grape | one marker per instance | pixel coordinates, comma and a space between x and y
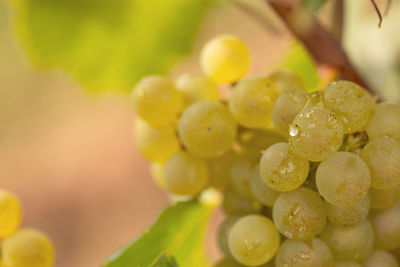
299, 214
387, 227
253, 240
225, 59
350, 102
349, 215
237, 205
385, 121
10, 213
207, 129
312, 253
287, 81
382, 156
347, 264
27, 248
230, 262
383, 199
219, 168
156, 144
157, 173
261, 191
223, 233
156, 100
241, 172
185, 174
285, 109
381, 258
252, 100
349, 242
343, 179
197, 87
282, 169
315, 132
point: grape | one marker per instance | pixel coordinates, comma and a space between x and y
10, 213
207, 129
156, 144
241, 172
157, 173
383, 199
225, 59
347, 264
315, 133
223, 233
312, 253
261, 191
287, 81
343, 179
282, 169
185, 174
252, 100
253, 240
219, 168
285, 109
229, 262
156, 100
385, 121
349, 215
27, 248
349, 242
310, 181
197, 87
299, 214
382, 156
387, 227
350, 102
381, 258
236, 205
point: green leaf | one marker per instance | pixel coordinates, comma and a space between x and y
165, 260
314, 5
108, 44
179, 230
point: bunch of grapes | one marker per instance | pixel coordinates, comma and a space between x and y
21, 247
308, 179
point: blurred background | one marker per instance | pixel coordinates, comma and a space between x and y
70, 154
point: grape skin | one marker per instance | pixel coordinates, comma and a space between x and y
349, 215
385, 121
347, 264
287, 81
223, 233
387, 227
219, 174
157, 173
10, 213
384, 199
236, 205
261, 191
230, 262
381, 258
241, 173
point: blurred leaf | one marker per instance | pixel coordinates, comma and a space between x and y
314, 4
108, 44
180, 230
165, 260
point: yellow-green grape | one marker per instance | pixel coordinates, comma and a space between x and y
343, 179
285, 109
348, 264
10, 213
350, 102
185, 174
252, 100
381, 258
316, 133
282, 169
261, 191
223, 233
299, 214
253, 240
382, 156
387, 227
156, 144
383, 199
156, 100
207, 129
385, 121
349, 215
225, 59
349, 242
27, 248
236, 205
219, 168
230, 262
157, 173
287, 81
197, 87
241, 172
312, 253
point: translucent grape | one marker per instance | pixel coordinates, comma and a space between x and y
299, 214
157, 173
156, 100
349, 242
197, 87
385, 121
349, 215
253, 240
223, 233
282, 169
382, 156
350, 102
27, 248
383, 199
287, 81
343, 179
261, 191
316, 133
348, 264
207, 129
230, 262
225, 59
219, 168
312, 253
241, 173
381, 258
236, 205
387, 227
252, 100
10, 213
185, 174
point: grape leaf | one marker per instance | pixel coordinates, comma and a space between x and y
108, 44
165, 260
314, 5
179, 230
